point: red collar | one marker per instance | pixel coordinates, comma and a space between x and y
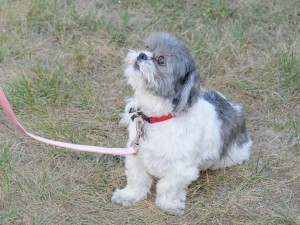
157, 119
150, 119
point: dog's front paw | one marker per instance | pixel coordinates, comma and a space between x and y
126, 197
172, 207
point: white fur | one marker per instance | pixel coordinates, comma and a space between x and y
174, 151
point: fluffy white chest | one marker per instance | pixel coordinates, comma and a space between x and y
185, 141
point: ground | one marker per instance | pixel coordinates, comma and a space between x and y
61, 66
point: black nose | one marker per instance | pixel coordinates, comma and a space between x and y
142, 56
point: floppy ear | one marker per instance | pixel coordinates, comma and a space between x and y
187, 91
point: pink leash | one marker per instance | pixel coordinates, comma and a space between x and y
84, 148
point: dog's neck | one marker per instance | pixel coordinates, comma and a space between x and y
152, 105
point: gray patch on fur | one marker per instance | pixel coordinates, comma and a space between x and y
178, 80
233, 124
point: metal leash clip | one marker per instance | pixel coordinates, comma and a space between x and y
139, 132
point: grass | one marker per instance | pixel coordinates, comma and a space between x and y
61, 66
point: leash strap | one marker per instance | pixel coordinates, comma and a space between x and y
84, 148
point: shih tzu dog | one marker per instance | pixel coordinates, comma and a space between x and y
178, 128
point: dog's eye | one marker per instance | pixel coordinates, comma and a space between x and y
161, 60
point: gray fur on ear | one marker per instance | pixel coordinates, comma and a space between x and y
187, 90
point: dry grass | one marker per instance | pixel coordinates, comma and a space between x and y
61, 65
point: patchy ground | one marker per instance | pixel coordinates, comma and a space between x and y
61, 67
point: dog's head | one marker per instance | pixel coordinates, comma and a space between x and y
165, 68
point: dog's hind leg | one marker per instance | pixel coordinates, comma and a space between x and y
235, 155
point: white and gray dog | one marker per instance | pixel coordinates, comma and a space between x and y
184, 129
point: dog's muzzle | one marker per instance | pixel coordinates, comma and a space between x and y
141, 57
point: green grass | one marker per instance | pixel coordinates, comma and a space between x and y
61, 66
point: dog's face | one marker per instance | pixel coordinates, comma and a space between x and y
165, 68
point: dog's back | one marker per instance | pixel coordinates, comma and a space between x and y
236, 143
